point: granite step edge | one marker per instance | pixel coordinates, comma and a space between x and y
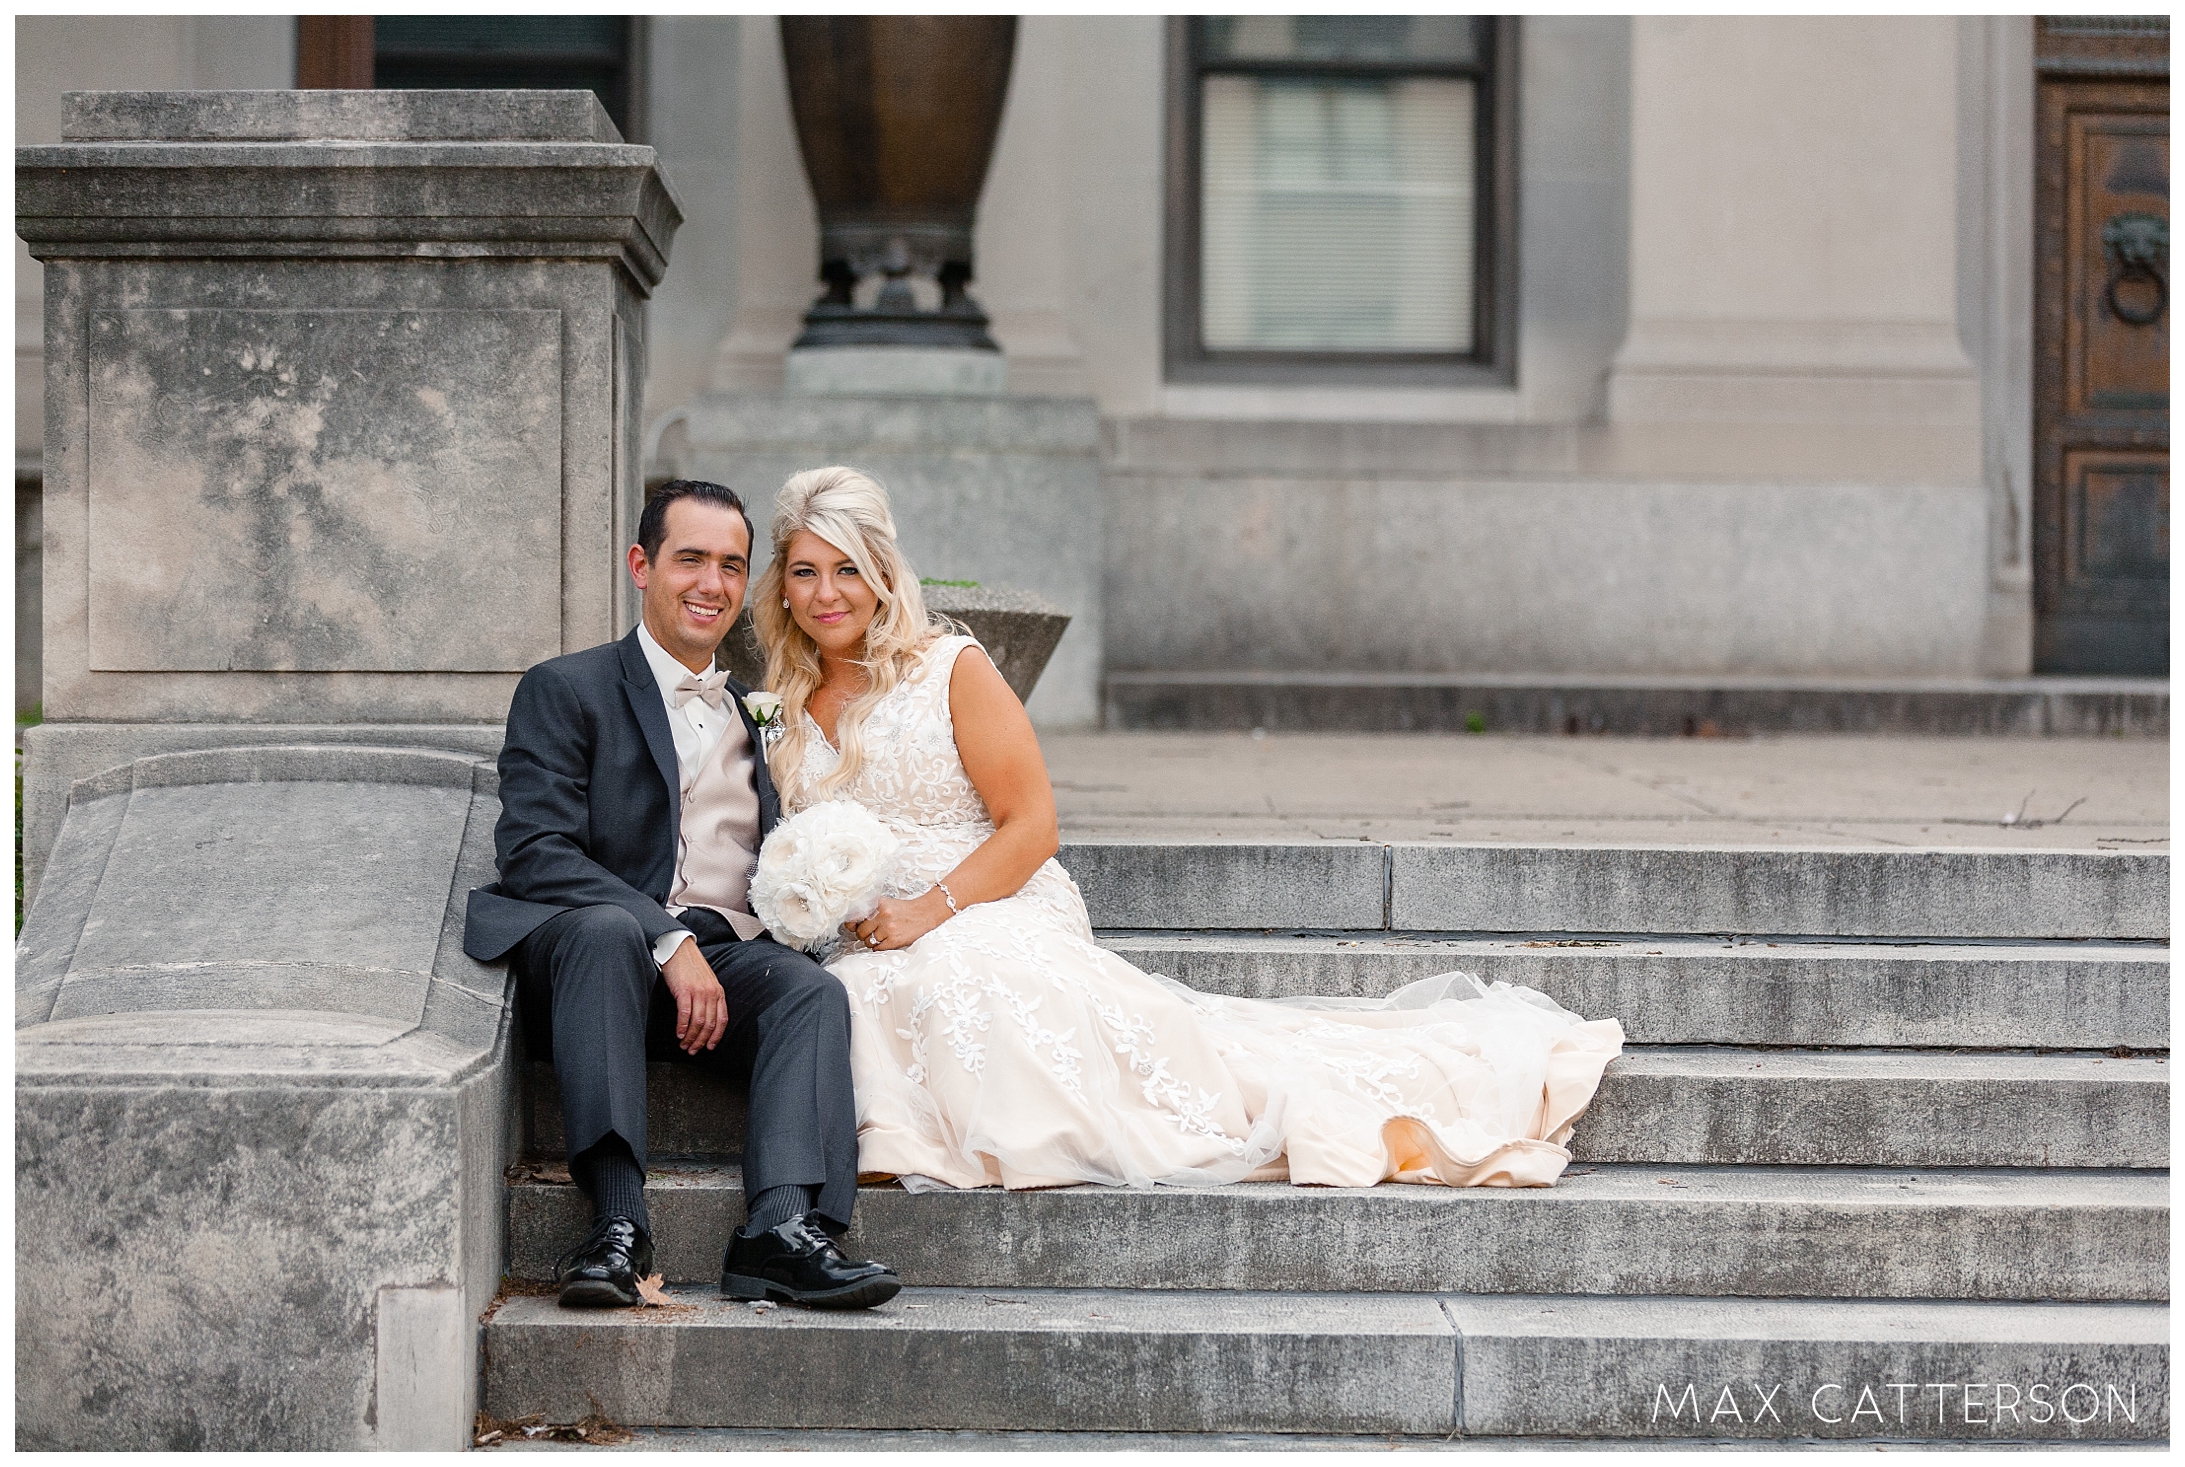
1724, 1231
1532, 1367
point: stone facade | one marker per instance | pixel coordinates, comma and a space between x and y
1768, 407
1769, 411
342, 411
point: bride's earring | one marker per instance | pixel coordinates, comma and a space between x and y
785, 603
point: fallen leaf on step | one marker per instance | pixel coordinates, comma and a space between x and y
596, 1429
599, 1431
551, 1173
650, 1291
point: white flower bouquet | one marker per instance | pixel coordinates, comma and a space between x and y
820, 868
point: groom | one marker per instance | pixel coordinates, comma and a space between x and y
634, 796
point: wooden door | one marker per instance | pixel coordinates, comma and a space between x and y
2101, 530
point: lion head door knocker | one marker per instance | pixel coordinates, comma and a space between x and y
2138, 247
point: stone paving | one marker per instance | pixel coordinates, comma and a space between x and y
1805, 791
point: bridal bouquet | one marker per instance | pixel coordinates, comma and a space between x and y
820, 868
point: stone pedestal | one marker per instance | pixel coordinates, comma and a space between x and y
342, 399
1004, 491
263, 1105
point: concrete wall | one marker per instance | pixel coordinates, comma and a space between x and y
693, 83
1439, 548
776, 225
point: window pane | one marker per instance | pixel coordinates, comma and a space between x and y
1337, 215
583, 52
596, 36
1422, 38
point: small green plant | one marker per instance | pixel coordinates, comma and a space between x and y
930, 581
1475, 723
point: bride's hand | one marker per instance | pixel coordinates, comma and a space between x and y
901, 923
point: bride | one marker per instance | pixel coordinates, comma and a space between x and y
994, 1043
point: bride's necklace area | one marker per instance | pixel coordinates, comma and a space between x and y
828, 700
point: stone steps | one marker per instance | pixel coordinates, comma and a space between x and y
1709, 1105
1884, 1116
1421, 886
1701, 1231
1879, 1107
1399, 702
1418, 1364
1724, 990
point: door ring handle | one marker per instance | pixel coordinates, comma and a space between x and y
2137, 245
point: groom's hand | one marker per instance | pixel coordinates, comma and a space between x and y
701, 1009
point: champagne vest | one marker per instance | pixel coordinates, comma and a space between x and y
718, 844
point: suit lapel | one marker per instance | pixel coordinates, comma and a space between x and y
652, 717
762, 777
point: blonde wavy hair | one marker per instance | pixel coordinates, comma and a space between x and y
849, 510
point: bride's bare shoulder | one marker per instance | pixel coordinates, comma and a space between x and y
943, 649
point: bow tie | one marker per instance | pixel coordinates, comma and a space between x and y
712, 687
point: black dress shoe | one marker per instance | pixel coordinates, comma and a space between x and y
798, 1263
603, 1270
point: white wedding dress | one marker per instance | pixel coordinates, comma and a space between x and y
1006, 1048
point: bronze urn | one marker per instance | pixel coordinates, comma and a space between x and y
896, 117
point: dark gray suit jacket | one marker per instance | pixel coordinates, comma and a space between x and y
591, 798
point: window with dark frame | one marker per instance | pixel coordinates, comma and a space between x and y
595, 53
1341, 200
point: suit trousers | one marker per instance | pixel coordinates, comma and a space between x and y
787, 1044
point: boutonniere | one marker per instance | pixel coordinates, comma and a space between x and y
765, 711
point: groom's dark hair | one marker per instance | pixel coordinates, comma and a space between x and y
652, 525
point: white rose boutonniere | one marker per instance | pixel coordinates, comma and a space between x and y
765, 711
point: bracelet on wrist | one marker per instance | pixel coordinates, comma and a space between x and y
949, 897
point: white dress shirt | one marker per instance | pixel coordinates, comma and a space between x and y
697, 728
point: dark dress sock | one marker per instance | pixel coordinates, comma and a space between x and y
776, 1205
615, 1180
